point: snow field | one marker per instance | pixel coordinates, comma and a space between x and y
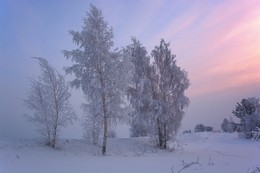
199, 152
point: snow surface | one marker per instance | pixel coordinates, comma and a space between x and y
206, 153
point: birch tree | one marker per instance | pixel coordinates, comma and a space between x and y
157, 92
168, 83
48, 98
99, 70
138, 89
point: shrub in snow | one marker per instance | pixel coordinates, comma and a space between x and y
248, 111
202, 128
186, 131
209, 129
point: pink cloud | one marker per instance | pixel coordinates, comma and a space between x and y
176, 25
229, 54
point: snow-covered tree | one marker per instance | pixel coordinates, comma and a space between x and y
48, 98
156, 92
168, 84
99, 71
248, 111
138, 89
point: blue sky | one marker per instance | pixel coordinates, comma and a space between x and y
217, 42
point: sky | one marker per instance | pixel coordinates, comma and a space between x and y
216, 41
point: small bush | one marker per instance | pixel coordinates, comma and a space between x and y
203, 128
209, 129
186, 131
200, 128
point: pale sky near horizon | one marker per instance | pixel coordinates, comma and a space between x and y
216, 41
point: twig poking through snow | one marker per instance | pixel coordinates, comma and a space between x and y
256, 134
210, 163
187, 165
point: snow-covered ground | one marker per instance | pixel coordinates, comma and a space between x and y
199, 152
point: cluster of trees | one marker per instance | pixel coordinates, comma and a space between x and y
156, 92
248, 113
202, 128
118, 83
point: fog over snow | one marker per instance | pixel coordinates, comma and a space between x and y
217, 42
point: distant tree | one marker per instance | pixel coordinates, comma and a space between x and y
168, 84
48, 98
224, 125
138, 89
248, 111
228, 126
100, 71
209, 129
200, 128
